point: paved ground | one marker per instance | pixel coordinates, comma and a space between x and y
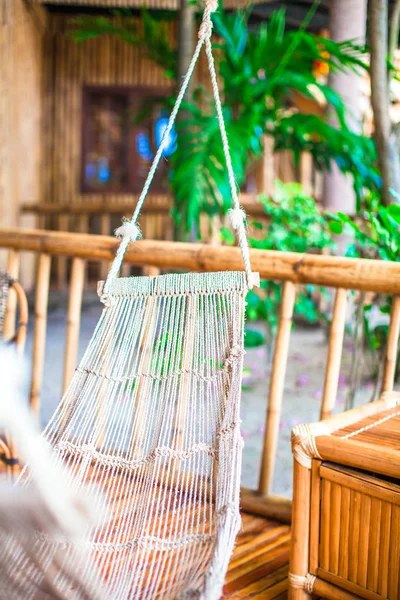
302, 395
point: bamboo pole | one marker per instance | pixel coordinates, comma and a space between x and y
299, 548
392, 346
13, 262
156, 205
39, 335
151, 271
326, 590
63, 222
330, 271
276, 388
20, 338
105, 229
332, 371
273, 507
358, 455
73, 319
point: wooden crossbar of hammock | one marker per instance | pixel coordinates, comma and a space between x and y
150, 424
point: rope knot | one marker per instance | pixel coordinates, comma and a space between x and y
128, 230
237, 217
206, 26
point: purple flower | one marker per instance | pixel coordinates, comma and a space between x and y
298, 356
302, 380
317, 395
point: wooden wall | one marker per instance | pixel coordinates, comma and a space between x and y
70, 66
22, 27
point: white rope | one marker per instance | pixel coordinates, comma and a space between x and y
130, 232
236, 214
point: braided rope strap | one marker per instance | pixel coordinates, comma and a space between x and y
304, 447
302, 582
129, 231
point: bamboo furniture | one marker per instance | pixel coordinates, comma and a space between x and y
290, 268
16, 302
346, 505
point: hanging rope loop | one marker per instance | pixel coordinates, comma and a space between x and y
129, 231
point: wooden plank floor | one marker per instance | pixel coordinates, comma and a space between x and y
260, 562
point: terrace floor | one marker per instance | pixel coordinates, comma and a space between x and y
260, 562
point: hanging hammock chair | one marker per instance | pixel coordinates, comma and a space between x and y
150, 421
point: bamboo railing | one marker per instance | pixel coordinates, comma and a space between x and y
100, 217
291, 268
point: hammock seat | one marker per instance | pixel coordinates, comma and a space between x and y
150, 425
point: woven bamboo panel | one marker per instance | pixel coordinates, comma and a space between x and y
360, 533
382, 430
21, 39
155, 4
70, 66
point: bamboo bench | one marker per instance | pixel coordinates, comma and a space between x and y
259, 566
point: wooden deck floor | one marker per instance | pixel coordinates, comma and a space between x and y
260, 562
259, 565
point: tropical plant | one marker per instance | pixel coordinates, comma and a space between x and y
259, 69
293, 223
373, 233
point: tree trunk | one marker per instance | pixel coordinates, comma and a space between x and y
386, 143
186, 33
347, 20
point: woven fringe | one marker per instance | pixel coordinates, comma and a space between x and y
178, 284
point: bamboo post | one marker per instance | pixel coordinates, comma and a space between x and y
306, 171
83, 227
265, 171
63, 223
276, 388
73, 319
151, 271
39, 335
392, 345
13, 263
332, 371
20, 338
105, 229
299, 548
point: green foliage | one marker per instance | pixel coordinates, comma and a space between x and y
373, 233
294, 224
259, 70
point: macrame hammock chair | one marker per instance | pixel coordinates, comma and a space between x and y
150, 423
